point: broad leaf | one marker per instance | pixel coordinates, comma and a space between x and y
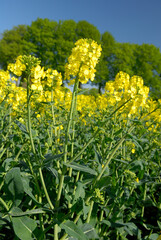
80, 192
50, 157
89, 231
15, 212
15, 185
81, 168
54, 173
24, 227
78, 206
27, 188
22, 127
73, 230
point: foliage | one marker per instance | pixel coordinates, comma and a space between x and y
12, 45
75, 166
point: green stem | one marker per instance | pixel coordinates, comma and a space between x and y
19, 152
70, 117
30, 133
101, 215
56, 232
45, 190
2, 154
33, 148
53, 115
90, 212
29, 116
144, 197
6, 207
4, 204
59, 190
72, 146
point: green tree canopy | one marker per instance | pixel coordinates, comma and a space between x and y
148, 65
103, 67
12, 44
87, 30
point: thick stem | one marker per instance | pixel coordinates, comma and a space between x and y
6, 207
33, 148
90, 212
144, 197
53, 116
45, 190
29, 116
72, 146
70, 117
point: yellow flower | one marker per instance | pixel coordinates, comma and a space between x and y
133, 150
137, 180
37, 72
82, 61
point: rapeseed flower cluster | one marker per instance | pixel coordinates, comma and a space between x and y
53, 79
82, 61
124, 88
18, 67
4, 78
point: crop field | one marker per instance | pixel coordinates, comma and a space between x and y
75, 166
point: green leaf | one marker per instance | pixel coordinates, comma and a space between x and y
14, 183
27, 188
16, 213
80, 192
129, 227
21, 126
24, 130
85, 210
89, 231
153, 236
119, 160
49, 157
78, 206
8, 163
23, 226
73, 230
135, 140
159, 224
108, 223
118, 132
83, 91
138, 164
54, 173
82, 168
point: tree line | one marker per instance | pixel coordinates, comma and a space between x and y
53, 41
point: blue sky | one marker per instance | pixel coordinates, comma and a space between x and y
134, 21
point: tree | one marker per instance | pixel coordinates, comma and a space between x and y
42, 35
12, 45
148, 66
65, 39
103, 67
122, 59
87, 30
